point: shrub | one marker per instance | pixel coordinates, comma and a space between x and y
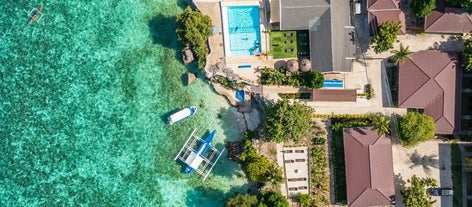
284, 121
415, 128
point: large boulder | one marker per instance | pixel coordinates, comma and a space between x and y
191, 77
187, 56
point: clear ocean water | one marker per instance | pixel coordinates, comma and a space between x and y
84, 97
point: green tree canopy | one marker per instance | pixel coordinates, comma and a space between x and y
467, 56
194, 28
284, 121
423, 8
257, 167
242, 200
314, 79
303, 199
415, 128
381, 124
401, 54
272, 199
262, 199
386, 36
415, 195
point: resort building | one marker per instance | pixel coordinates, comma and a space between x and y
331, 36
380, 11
448, 20
430, 81
369, 168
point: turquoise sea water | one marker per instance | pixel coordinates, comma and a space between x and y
84, 97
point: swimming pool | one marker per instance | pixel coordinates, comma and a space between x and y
242, 30
333, 83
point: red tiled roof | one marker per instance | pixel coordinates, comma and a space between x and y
338, 95
430, 81
369, 167
448, 20
382, 4
380, 11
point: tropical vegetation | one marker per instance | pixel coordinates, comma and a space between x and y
416, 195
303, 199
415, 128
400, 54
381, 124
312, 79
284, 121
257, 167
467, 56
386, 36
423, 8
262, 199
194, 28
319, 172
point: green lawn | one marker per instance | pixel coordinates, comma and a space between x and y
456, 169
289, 44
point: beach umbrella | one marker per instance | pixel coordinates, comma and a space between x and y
292, 65
305, 65
280, 64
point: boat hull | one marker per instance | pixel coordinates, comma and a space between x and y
182, 114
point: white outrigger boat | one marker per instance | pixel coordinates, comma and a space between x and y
199, 155
35, 14
182, 114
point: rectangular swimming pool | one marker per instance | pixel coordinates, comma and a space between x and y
242, 34
333, 83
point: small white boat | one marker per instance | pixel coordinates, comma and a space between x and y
182, 114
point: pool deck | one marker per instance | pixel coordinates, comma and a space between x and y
212, 8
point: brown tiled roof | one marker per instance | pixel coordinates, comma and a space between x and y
448, 20
430, 80
380, 11
369, 167
338, 95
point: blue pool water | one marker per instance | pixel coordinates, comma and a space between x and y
244, 30
333, 83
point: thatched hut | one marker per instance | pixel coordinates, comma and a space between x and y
305, 65
292, 65
280, 64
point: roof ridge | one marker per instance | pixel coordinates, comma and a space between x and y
370, 166
436, 20
411, 60
373, 10
357, 198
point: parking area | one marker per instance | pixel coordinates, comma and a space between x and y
429, 159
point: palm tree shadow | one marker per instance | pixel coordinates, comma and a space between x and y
425, 161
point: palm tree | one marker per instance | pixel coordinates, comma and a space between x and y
381, 124
401, 54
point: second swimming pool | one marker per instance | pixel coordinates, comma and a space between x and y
333, 83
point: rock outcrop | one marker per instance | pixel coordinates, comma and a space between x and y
191, 77
187, 55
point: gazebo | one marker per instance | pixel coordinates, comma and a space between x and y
305, 65
280, 64
292, 65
